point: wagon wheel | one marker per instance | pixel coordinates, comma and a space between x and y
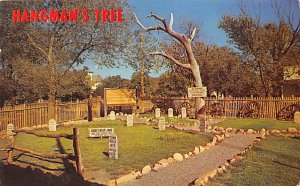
249, 110
187, 106
288, 112
216, 109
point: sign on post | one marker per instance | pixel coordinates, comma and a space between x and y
113, 147
100, 132
195, 92
202, 124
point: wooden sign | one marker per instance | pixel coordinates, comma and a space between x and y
120, 96
113, 147
100, 132
202, 124
194, 92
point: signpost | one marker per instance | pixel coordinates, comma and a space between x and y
100, 132
113, 147
196, 92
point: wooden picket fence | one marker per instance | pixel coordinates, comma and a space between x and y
29, 115
268, 107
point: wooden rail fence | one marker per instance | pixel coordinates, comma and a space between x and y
29, 115
74, 157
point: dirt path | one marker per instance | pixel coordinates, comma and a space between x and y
183, 173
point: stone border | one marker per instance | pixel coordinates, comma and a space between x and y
220, 135
177, 157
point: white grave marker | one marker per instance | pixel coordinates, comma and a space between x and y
183, 112
52, 125
157, 113
9, 129
112, 115
161, 123
129, 120
113, 147
170, 113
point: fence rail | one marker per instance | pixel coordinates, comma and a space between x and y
29, 115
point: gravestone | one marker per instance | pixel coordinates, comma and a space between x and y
170, 113
202, 124
117, 114
183, 112
129, 120
100, 132
161, 123
297, 117
121, 114
113, 147
112, 115
157, 113
52, 125
9, 129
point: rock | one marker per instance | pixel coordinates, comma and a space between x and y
241, 131
171, 160
208, 127
208, 145
220, 170
275, 132
283, 131
220, 129
219, 138
201, 149
213, 173
228, 130
237, 157
227, 135
205, 179
215, 127
146, 170
232, 161
234, 130
250, 131
190, 153
196, 150
126, 178
199, 182
186, 156
214, 140
137, 174
223, 167
111, 183
157, 166
178, 157
292, 130
226, 164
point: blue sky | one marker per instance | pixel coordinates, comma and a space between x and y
206, 13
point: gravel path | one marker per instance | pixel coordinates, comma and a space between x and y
183, 173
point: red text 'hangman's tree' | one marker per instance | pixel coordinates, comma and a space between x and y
186, 41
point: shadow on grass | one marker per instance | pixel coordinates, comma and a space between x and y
290, 166
69, 166
14, 175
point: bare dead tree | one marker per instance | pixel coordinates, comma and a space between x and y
186, 41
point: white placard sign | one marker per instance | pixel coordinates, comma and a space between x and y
100, 132
129, 120
113, 147
194, 92
52, 125
161, 123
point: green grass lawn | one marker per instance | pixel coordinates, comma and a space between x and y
257, 124
273, 161
138, 146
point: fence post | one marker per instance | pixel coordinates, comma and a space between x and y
77, 110
10, 151
79, 165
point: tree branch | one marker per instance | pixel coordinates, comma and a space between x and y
36, 46
147, 28
187, 66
